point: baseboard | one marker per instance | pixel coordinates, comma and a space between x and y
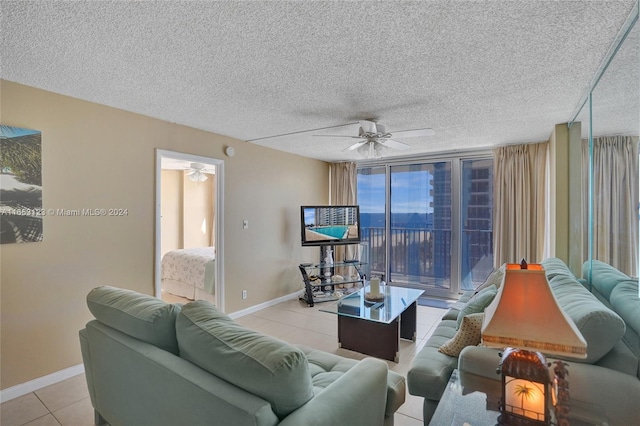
39, 383
53, 378
256, 308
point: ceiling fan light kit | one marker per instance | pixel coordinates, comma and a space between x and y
196, 174
374, 137
370, 150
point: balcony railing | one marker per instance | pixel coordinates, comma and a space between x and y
422, 257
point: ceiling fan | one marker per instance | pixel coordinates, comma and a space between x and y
373, 136
197, 172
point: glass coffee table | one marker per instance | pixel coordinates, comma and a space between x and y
456, 408
460, 407
375, 328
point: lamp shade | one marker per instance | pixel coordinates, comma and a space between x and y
526, 315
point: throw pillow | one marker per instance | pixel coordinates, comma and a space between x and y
469, 334
494, 278
478, 303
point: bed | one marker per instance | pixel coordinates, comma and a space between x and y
190, 273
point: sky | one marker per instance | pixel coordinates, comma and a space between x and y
410, 192
13, 132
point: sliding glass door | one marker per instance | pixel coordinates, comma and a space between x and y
420, 227
411, 215
373, 213
476, 221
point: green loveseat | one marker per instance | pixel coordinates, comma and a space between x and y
152, 363
606, 384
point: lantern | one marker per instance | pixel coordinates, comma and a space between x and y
525, 388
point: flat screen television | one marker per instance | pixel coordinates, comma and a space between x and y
330, 225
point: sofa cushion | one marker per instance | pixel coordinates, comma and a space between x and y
452, 313
621, 359
144, 317
454, 308
554, 266
431, 370
325, 369
600, 326
477, 303
604, 277
625, 301
494, 278
469, 334
262, 365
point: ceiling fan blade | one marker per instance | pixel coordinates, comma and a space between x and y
395, 144
338, 136
354, 146
413, 133
368, 126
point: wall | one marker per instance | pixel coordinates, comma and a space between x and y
575, 198
100, 157
171, 211
565, 207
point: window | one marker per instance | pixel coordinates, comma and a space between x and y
412, 213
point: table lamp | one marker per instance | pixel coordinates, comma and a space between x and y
525, 318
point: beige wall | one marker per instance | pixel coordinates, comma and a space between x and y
565, 162
100, 157
171, 210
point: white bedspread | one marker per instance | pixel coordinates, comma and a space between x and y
191, 269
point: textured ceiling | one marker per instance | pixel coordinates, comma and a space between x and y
480, 73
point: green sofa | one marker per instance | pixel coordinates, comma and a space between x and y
605, 385
152, 363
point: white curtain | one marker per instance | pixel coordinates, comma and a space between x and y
343, 191
615, 201
343, 183
519, 203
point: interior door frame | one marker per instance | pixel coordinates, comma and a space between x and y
219, 218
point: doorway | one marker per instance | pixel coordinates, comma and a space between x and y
189, 217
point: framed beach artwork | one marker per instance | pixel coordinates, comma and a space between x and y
20, 185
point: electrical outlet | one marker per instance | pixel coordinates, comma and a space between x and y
244, 294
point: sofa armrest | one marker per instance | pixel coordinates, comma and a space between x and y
479, 360
357, 398
477, 370
86, 360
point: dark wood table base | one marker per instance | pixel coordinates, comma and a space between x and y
376, 338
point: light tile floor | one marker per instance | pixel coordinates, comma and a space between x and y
67, 403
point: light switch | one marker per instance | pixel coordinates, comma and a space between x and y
245, 224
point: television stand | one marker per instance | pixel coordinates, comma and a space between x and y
320, 288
